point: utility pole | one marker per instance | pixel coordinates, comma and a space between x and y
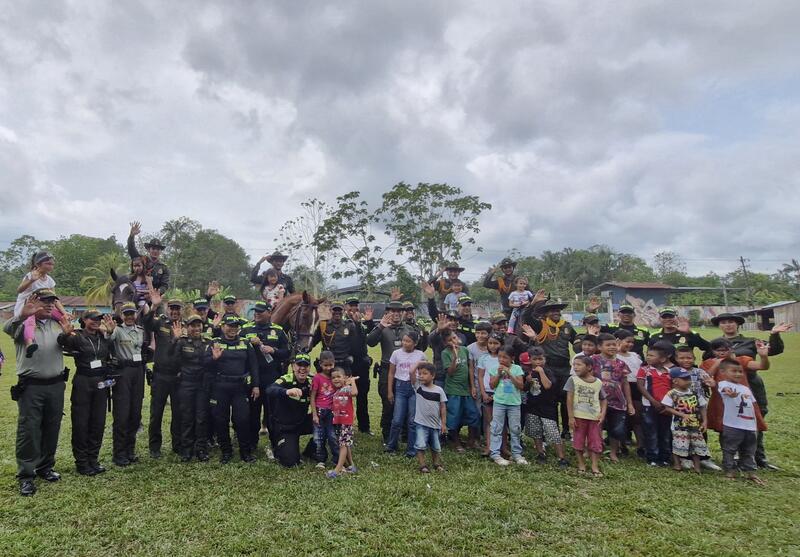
746, 274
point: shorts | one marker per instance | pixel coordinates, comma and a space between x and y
587, 435
427, 437
540, 429
461, 411
689, 442
636, 394
344, 433
615, 424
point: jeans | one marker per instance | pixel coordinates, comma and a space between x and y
405, 405
657, 435
501, 413
427, 437
325, 432
615, 424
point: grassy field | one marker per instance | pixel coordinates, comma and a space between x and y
388, 508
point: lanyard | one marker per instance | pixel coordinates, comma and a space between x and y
92, 344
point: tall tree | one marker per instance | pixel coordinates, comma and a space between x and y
74, 254
177, 235
346, 240
97, 282
212, 256
670, 267
296, 238
430, 223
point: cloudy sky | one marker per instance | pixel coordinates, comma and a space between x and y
643, 125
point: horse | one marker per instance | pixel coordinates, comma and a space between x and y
122, 291
298, 314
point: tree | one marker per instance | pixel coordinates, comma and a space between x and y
408, 285
97, 281
296, 237
670, 268
212, 256
430, 223
74, 254
791, 272
177, 235
308, 278
347, 242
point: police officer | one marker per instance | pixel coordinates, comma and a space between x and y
163, 380
277, 260
191, 354
641, 335
389, 333
340, 337
592, 324
290, 410
235, 382
272, 353
410, 319
89, 398
362, 361
466, 323
39, 391
202, 308
677, 332
154, 267
504, 284
128, 391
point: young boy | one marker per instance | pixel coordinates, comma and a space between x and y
702, 384
688, 410
588, 348
322, 390
739, 431
456, 292
654, 382
430, 416
586, 405
614, 374
476, 350
459, 387
541, 405
626, 343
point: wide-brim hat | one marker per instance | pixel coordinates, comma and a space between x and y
722, 316
552, 305
154, 243
507, 261
277, 256
453, 267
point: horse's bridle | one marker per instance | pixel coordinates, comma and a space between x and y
294, 318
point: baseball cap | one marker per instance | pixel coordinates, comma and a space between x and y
626, 308
194, 318
261, 307
92, 314
679, 373
45, 294
175, 303
229, 299
233, 320
302, 359
669, 310
128, 307
200, 303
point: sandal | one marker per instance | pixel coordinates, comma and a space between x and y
597, 474
581, 472
438, 468
460, 449
424, 470
758, 481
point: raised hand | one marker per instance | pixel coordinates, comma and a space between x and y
217, 320
540, 296
177, 330
427, 289
593, 329
528, 331
593, 305
395, 294
155, 298
32, 305
762, 348
216, 351
136, 228
441, 323
109, 323
66, 325
368, 313
782, 328
386, 320
683, 325
36, 274
213, 288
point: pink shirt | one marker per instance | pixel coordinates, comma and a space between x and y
324, 387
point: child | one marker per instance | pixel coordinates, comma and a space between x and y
588, 348
342, 408
486, 363
625, 345
272, 291
430, 416
654, 382
322, 390
42, 264
516, 299
458, 386
688, 409
739, 422
614, 375
586, 406
507, 381
541, 420
456, 292
477, 349
401, 393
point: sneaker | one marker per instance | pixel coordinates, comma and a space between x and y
500, 461
331, 474
520, 460
686, 464
766, 466
352, 469
320, 465
563, 463
709, 464
263, 431
652, 463
541, 458
665, 464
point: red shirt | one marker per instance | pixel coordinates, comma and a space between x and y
657, 381
343, 407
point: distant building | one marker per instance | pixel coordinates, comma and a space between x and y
645, 297
787, 311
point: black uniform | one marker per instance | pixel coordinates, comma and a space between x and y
361, 366
156, 269
504, 285
341, 339
422, 333
641, 335
235, 374
675, 338
270, 367
193, 394
89, 401
284, 279
164, 385
290, 417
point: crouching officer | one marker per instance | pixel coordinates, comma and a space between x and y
235, 377
89, 398
272, 352
191, 353
128, 391
290, 398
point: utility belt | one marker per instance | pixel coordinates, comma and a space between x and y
129, 363
89, 372
233, 379
24, 381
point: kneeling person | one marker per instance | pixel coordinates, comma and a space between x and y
290, 416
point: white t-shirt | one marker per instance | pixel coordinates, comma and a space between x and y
634, 362
22, 297
404, 362
739, 410
488, 363
518, 298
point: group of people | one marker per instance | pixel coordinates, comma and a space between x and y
499, 378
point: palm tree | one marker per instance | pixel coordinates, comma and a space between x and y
791, 271
97, 279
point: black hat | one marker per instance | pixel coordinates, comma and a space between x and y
553, 305
591, 318
302, 359
154, 243
669, 310
394, 305
508, 261
92, 314
452, 314
626, 308
233, 320
200, 303
453, 267
464, 300
128, 307
351, 300
723, 316
277, 255
261, 307
337, 305
229, 299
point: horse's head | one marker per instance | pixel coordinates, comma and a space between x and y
298, 314
122, 291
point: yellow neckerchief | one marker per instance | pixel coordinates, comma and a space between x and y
502, 287
550, 330
327, 339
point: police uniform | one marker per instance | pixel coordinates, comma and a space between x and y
466, 325
503, 284
157, 270
422, 345
128, 391
88, 398
284, 279
361, 365
291, 417
641, 335
234, 376
340, 338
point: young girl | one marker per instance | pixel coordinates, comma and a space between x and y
271, 291
42, 264
520, 297
586, 406
346, 390
322, 391
400, 392
486, 363
507, 380
141, 281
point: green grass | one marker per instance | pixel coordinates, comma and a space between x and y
475, 508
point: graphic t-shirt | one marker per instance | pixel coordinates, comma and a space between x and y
613, 373
404, 362
634, 362
685, 402
739, 411
428, 409
343, 406
540, 401
458, 383
586, 397
657, 382
506, 392
324, 387
487, 362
